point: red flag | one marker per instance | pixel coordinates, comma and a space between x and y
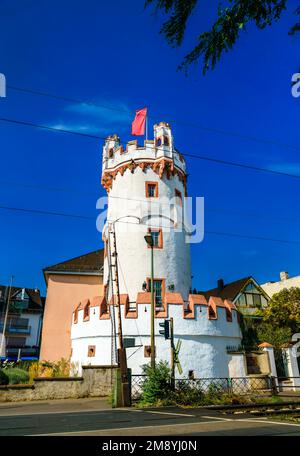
138, 125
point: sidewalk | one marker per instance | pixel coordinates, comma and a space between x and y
54, 406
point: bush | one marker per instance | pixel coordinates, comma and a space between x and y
3, 378
61, 368
17, 376
157, 385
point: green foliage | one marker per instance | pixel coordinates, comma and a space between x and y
17, 376
4, 380
226, 29
185, 394
157, 384
61, 368
249, 331
283, 310
273, 335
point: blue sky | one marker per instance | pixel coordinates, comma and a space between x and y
112, 53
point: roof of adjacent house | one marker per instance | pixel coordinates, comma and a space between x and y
36, 300
230, 290
90, 262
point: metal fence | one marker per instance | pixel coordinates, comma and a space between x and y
236, 385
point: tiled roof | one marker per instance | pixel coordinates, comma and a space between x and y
229, 291
36, 300
90, 262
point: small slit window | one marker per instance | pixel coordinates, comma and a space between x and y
91, 351
178, 197
211, 313
86, 311
228, 315
76, 316
166, 141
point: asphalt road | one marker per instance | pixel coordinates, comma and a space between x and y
95, 418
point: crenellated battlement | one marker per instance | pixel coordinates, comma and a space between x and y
131, 310
157, 153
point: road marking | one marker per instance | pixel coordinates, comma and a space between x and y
158, 426
33, 413
254, 420
219, 418
169, 413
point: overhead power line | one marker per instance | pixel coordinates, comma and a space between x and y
78, 216
173, 121
199, 157
96, 195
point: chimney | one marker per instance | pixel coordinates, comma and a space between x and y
220, 284
284, 275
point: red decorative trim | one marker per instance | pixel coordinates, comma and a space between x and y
161, 166
194, 300
170, 298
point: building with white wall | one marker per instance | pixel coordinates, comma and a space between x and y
285, 282
146, 187
24, 322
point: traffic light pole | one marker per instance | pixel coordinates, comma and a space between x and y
172, 353
152, 312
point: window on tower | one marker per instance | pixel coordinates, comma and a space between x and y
157, 237
86, 312
178, 197
166, 141
159, 290
151, 189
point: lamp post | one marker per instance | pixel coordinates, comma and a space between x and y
148, 238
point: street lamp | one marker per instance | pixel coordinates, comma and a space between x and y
149, 240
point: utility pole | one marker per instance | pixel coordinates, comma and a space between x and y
122, 361
6, 315
172, 353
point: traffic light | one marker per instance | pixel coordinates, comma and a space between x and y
166, 329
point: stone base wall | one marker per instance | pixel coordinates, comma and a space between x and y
96, 381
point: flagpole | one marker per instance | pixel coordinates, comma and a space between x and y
147, 126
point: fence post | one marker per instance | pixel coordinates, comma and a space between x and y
229, 385
273, 385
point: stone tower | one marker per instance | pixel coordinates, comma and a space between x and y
146, 188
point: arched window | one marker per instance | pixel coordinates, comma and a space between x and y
166, 141
110, 152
